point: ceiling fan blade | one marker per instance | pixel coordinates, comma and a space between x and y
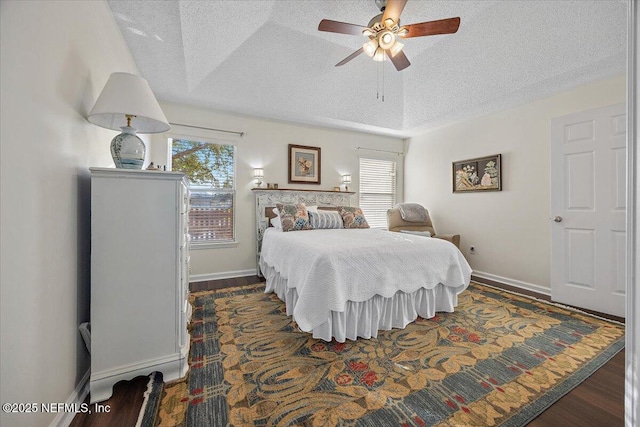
350, 57
431, 28
400, 61
340, 27
393, 9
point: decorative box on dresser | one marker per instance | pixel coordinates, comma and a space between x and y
139, 276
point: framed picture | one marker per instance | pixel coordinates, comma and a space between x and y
481, 174
304, 164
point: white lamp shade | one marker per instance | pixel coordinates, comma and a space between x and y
258, 173
128, 94
346, 179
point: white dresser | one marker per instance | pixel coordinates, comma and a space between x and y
139, 276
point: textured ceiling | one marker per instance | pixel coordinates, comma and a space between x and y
266, 58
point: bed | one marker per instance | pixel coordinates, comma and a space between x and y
350, 283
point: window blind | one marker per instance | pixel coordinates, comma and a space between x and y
377, 190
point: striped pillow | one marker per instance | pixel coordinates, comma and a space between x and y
325, 220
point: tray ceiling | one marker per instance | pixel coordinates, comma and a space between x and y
267, 58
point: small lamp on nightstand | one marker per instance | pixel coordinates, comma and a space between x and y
258, 175
346, 179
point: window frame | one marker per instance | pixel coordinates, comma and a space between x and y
194, 245
395, 183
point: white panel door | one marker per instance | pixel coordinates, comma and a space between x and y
588, 203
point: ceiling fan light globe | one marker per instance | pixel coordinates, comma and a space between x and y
389, 23
402, 32
370, 47
386, 40
379, 55
396, 48
368, 32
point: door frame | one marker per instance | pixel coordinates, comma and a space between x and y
632, 332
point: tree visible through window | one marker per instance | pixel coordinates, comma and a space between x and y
211, 171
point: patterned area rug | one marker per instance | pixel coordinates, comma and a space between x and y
500, 359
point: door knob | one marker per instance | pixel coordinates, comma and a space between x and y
557, 219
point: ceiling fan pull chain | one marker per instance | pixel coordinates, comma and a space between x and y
382, 64
378, 82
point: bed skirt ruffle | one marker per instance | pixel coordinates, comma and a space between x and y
364, 319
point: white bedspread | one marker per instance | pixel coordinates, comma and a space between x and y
328, 268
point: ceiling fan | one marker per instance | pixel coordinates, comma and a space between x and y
384, 30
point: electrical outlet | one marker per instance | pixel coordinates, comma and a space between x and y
472, 249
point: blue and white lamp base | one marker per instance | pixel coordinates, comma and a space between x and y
127, 149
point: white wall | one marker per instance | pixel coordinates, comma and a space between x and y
265, 145
55, 59
510, 229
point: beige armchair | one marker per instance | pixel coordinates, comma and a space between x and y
396, 223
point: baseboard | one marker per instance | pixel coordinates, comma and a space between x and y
513, 282
64, 419
223, 275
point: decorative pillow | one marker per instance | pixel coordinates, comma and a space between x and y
352, 217
294, 217
412, 212
325, 220
417, 233
312, 208
275, 221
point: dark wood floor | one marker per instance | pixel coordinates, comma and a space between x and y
598, 401
124, 406
210, 285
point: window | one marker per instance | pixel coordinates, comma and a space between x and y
377, 190
210, 168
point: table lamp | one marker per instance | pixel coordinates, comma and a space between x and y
127, 103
